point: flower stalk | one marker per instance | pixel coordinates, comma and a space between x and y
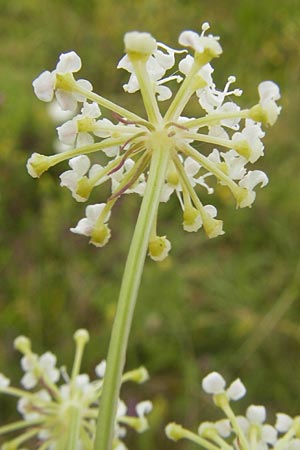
128, 293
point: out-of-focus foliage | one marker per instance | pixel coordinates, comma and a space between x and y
231, 304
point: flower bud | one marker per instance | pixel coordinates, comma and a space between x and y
139, 45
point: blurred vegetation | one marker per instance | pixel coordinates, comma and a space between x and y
230, 304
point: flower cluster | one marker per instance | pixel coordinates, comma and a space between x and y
239, 432
233, 135
56, 407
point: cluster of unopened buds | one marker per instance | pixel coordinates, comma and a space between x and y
249, 432
55, 405
234, 135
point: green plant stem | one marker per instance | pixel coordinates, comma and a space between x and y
73, 435
128, 293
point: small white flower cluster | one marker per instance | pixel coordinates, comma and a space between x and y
233, 135
53, 405
239, 432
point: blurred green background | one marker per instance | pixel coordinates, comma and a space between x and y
229, 304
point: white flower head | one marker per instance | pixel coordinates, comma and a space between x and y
129, 141
44, 411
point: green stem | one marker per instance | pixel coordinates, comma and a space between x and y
74, 427
128, 293
109, 105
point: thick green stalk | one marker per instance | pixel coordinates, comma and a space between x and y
128, 293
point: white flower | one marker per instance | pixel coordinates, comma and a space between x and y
159, 248
211, 100
90, 225
45, 85
157, 65
214, 383
268, 93
200, 43
248, 142
39, 368
45, 413
232, 164
79, 129
86, 226
249, 182
80, 167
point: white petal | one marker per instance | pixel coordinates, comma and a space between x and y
211, 210
122, 409
29, 380
80, 164
269, 434
165, 60
236, 390
4, 381
68, 62
93, 212
243, 423
144, 408
213, 383
95, 171
91, 110
100, 369
256, 414
191, 167
84, 139
185, 64
43, 86
84, 227
253, 178
223, 427
283, 422
164, 93
67, 132
85, 84
66, 100
268, 90
189, 39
